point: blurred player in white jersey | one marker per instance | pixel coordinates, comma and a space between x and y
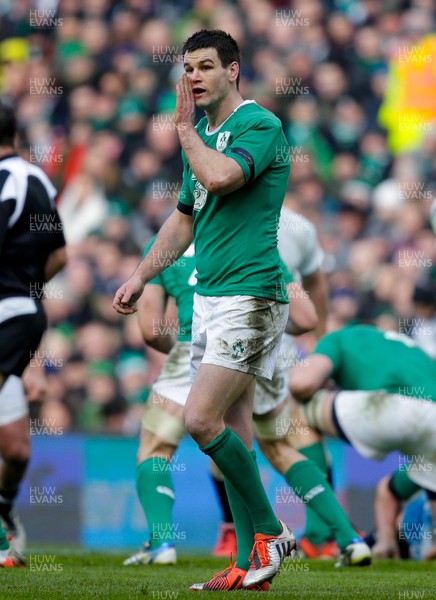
302, 254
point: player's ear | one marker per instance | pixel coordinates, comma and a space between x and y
233, 71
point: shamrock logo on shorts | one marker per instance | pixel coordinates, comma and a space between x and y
238, 350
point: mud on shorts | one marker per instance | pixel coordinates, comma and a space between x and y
237, 332
377, 423
270, 394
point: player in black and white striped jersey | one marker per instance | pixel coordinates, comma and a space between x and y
32, 251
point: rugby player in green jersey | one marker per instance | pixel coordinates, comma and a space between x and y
388, 403
236, 170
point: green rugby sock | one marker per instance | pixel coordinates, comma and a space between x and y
237, 465
243, 523
316, 530
311, 486
401, 486
156, 494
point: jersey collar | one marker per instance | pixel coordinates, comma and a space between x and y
207, 132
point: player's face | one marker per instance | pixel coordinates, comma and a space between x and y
210, 80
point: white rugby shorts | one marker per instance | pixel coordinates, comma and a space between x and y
377, 423
13, 402
237, 332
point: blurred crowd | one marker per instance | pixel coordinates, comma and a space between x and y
93, 84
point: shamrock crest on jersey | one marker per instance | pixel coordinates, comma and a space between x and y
222, 140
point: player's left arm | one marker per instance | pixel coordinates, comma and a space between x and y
57, 259
219, 174
152, 307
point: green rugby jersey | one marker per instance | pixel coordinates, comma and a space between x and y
179, 281
366, 358
236, 234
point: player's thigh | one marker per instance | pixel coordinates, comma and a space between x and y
162, 428
271, 432
15, 440
277, 415
216, 389
173, 383
162, 423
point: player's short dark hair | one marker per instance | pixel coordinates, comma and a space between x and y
8, 124
226, 47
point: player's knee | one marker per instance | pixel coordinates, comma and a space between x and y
196, 425
269, 450
156, 447
277, 453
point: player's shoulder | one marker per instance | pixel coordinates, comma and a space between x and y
359, 331
251, 113
338, 335
17, 171
16, 165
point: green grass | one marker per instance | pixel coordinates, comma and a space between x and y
90, 575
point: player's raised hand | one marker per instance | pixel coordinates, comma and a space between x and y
127, 295
185, 101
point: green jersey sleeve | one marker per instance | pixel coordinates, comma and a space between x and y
158, 279
257, 147
329, 345
185, 195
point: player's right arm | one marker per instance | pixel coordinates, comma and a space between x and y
313, 279
173, 239
302, 313
316, 286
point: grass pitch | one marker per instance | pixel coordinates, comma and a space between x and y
90, 575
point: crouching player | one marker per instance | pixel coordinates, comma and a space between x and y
390, 404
